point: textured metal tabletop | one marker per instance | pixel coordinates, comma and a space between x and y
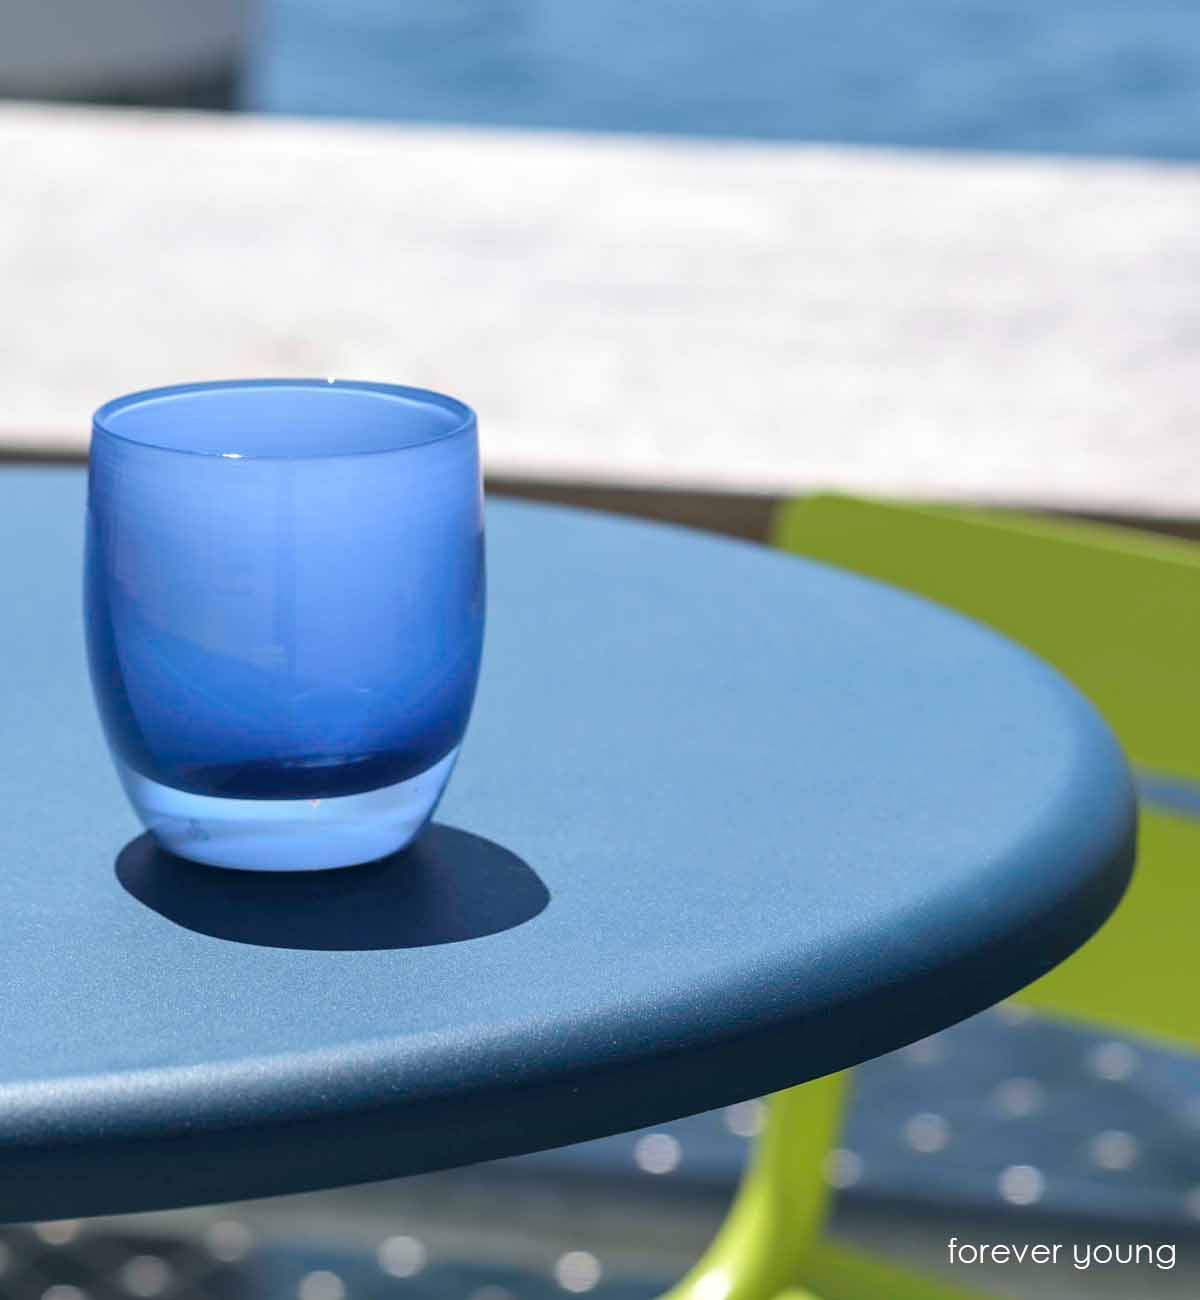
724, 821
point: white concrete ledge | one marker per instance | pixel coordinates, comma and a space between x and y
626, 310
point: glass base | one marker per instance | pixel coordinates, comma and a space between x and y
287, 834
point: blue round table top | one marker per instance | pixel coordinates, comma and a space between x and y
724, 821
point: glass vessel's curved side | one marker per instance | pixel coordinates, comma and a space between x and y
284, 607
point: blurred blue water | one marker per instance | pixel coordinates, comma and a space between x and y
1062, 76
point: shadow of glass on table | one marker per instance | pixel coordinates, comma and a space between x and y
448, 887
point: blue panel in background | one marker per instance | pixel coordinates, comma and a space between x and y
1076, 76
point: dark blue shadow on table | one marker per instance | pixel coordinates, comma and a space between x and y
448, 887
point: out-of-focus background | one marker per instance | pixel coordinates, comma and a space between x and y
687, 260
941, 250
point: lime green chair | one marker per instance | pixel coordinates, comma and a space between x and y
1119, 614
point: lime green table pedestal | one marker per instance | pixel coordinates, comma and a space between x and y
772, 1245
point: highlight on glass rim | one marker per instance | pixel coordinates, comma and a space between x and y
601, 650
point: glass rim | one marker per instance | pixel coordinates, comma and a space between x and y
426, 396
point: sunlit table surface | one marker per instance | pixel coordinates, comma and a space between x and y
725, 821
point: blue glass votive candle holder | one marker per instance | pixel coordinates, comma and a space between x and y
284, 604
